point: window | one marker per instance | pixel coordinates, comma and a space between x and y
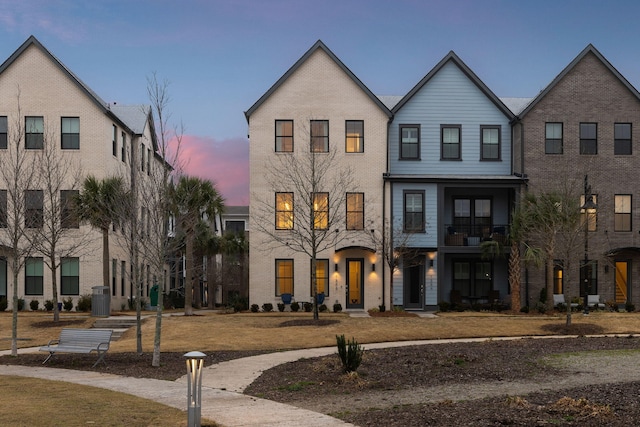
558, 283
450, 139
320, 136
588, 138
114, 142
148, 161
4, 130
123, 273
472, 278
3, 276
142, 151
473, 217
233, 227
3, 209
414, 211
355, 211
70, 133
354, 136
591, 213
124, 147
284, 211
321, 211
322, 276
409, 142
34, 133
34, 203
114, 273
284, 276
553, 138
33, 276
284, 136
622, 138
68, 217
588, 277
490, 140
70, 276
622, 214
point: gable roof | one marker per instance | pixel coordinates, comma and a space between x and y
452, 57
587, 50
32, 41
319, 45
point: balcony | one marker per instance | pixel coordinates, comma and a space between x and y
473, 235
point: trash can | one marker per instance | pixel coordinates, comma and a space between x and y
100, 301
153, 296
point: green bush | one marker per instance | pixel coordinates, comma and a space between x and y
67, 304
541, 307
322, 308
84, 303
630, 307
255, 308
173, 299
20, 304
444, 306
295, 306
280, 307
267, 307
238, 303
48, 305
3, 304
337, 307
307, 307
350, 353
34, 304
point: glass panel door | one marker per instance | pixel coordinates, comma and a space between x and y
622, 282
355, 283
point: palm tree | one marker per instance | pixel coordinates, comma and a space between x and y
191, 199
97, 204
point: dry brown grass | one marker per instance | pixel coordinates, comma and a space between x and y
265, 331
63, 404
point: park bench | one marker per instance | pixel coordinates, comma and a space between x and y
80, 341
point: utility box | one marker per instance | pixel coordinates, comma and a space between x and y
100, 301
153, 296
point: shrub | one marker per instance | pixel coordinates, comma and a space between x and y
322, 308
255, 308
444, 306
630, 307
84, 303
543, 295
48, 305
337, 307
20, 304
3, 304
524, 309
67, 304
295, 306
267, 307
33, 304
382, 308
174, 299
350, 353
238, 303
307, 306
280, 307
541, 307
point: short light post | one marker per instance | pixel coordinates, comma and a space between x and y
588, 206
195, 361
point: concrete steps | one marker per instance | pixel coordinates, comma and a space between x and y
119, 325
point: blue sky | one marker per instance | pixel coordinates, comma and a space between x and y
220, 56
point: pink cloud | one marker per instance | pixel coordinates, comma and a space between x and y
225, 163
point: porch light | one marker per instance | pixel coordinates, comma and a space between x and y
373, 267
335, 267
195, 361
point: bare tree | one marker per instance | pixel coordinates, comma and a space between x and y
318, 182
59, 237
19, 176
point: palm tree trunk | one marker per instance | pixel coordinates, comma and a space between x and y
514, 276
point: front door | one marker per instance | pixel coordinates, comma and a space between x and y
622, 282
355, 283
413, 284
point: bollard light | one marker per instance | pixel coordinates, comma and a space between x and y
195, 361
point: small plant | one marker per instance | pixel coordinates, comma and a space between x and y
20, 304
307, 307
280, 307
337, 307
3, 304
238, 303
541, 307
350, 353
67, 304
323, 308
382, 308
48, 305
444, 306
295, 306
267, 307
630, 307
34, 304
255, 308
84, 303
524, 309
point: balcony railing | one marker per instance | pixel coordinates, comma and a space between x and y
473, 235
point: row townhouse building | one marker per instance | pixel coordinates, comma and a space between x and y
43, 104
440, 171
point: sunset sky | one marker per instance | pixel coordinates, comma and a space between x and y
220, 56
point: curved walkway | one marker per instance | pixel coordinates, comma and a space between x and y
223, 384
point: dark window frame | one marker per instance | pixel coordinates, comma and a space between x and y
279, 278
325, 279
404, 145
319, 140
3, 209
33, 283
33, 137
444, 144
69, 284
69, 139
357, 215
416, 216
34, 208
4, 132
484, 145
622, 144
553, 145
357, 140
282, 214
114, 142
282, 138
68, 215
623, 218
588, 138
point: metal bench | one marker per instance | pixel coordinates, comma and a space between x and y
80, 341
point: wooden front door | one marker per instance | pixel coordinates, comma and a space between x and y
355, 283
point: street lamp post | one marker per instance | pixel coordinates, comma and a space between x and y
195, 361
588, 205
